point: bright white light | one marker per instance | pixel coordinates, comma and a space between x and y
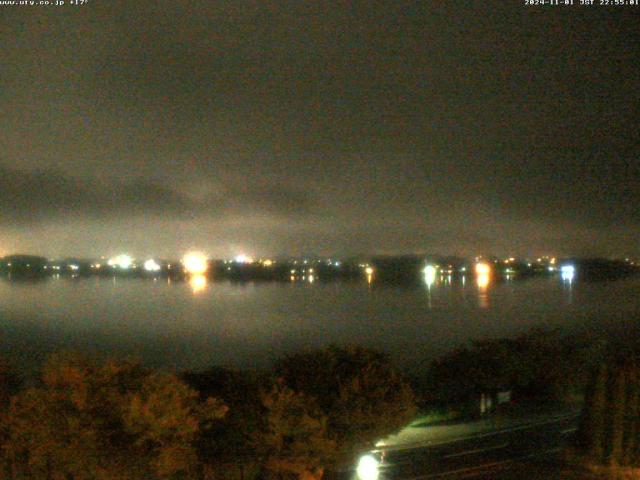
195, 263
74, 267
151, 265
369, 270
430, 275
121, 261
368, 468
242, 258
567, 272
483, 269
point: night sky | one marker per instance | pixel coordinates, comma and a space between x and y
296, 127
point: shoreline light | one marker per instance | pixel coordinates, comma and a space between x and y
483, 268
567, 272
151, 265
195, 263
121, 261
430, 275
242, 258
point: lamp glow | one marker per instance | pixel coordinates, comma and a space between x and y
368, 468
195, 263
567, 272
151, 265
430, 275
121, 261
483, 269
242, 258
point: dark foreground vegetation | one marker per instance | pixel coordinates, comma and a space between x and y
119, 421
312, 413
608, 441
539, 367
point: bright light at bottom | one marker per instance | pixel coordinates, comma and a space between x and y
368, 468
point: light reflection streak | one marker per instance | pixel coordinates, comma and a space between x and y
198, 283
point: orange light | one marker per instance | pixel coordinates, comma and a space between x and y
483, 269
483, 281
195, 263
198, 283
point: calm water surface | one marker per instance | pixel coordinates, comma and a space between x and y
196, 325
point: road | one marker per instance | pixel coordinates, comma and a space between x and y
522, 451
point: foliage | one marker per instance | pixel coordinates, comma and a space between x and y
357, 389
10, 383
229, 446
104, 421
539, 365
294, 439
609, 426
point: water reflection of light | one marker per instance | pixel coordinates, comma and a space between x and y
483, 281
198, 283
369, 272
311, 278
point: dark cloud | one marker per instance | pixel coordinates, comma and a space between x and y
42, 196
356, 126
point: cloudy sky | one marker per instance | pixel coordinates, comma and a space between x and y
319, 127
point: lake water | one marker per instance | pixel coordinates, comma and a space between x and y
198, 324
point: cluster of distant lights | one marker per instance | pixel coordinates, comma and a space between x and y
197, 264
483, 271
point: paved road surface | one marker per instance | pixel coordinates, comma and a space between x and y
525, 452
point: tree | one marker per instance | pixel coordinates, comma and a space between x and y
114, 421
294, 439
609, 427
10, 383
594, 421
229, 446
165, 416
617, 426
357, 389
